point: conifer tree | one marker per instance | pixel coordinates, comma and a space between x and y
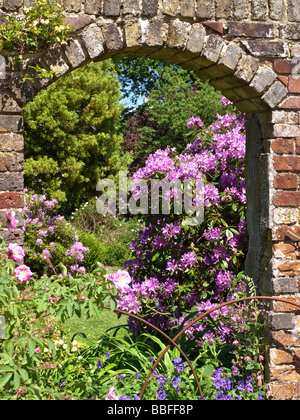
72, 135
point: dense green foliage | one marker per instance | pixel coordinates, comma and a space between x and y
107, 237
34, 311
173, 96
40, 27
72, 135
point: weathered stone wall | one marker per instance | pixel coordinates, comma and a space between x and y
249, 50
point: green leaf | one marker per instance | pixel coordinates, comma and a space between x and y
91, 309
11, 350
23, 373
4, 379
228, 233
31, 347
51, 347
17, 380
224, 223
112, 304
6, 369
208, 370
70, 310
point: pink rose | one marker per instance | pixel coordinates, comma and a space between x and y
11, 222
121, 280
111, 394
53, 299
23, 274
15, 252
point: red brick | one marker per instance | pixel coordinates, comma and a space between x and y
283, 146
285, 306
216, 26
285, 339
286, 130
284, 373
284, 66
251, 29
290, 269
282, 392
293, 102
10, 200
287, 163
284, 79
287, 199
285, 182
294, 85
297, 357
297, 391
282, 233
281, 357
285, 251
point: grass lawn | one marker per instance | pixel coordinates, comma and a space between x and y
94, 328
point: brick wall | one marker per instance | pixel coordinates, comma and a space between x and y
249, 50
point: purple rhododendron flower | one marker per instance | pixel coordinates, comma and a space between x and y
179, 258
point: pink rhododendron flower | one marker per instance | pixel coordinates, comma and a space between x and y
23, 274
15, 252
194, 122
121, 279
225, 102
111, 394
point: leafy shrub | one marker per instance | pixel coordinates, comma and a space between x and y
41, 26
51, 242
107, 237
95, 248
38, 361
34, 310
72, 139
161, 121
117, 368
178, 270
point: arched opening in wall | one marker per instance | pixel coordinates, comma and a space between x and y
168, 262
65, 133
73, 137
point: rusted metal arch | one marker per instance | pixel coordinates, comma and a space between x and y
167, 337
205, 314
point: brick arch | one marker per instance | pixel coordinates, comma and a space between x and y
200, 47
247, 49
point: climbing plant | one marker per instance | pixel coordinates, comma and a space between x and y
40, 27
